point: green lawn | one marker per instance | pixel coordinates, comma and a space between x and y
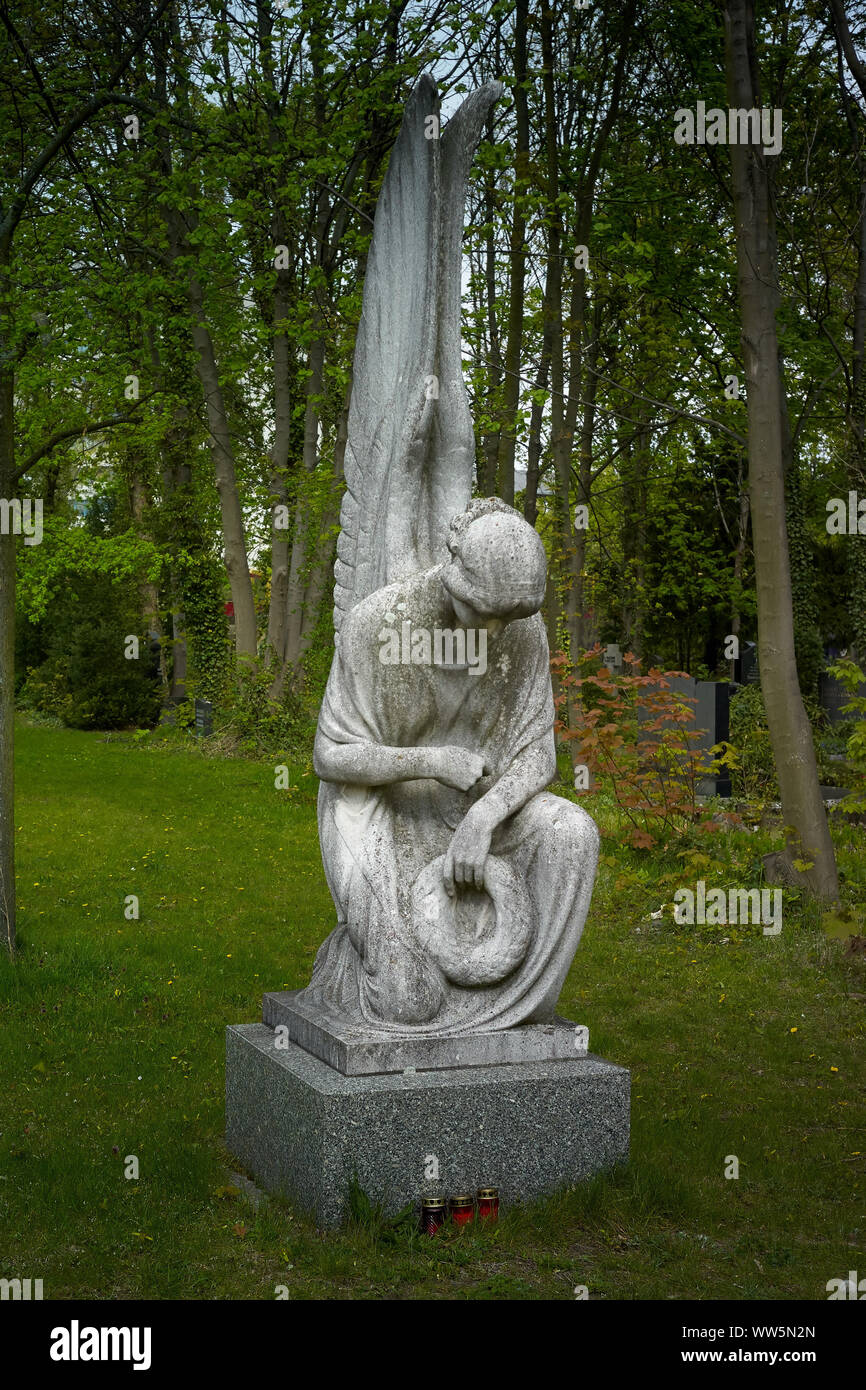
113, 1044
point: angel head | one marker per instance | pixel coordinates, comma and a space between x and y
498, 568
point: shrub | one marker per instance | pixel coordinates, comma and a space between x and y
85, 679
753, 770
852, 678
249, 721
634, 730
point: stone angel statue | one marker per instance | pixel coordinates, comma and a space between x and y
461, 885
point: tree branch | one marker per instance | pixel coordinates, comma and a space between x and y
843, 34
80, 431
75, 122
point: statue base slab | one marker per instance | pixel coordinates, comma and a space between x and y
306, 1131
366, 1053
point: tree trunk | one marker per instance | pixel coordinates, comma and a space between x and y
139, 502
857, 435
560, 443
790, 733
323, 569
739, 555
220, 440
174, 475
856, 409
536, 417
222, 453
282, 385
584, 617
297, 573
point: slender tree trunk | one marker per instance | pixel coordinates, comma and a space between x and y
634, 471
560, 444
176, 474
149, 591
300, 539
790, 733
739, 554
282, 367
220, 440
323, 569
569, 337
856, 411
536, 418
584, 622
222, 453
857, 433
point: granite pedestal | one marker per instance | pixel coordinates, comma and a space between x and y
306, 1130
355, 1053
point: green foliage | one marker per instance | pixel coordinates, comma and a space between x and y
688, 573
853, 679
753, 771
84, 677
370, 1215
209, 651
251, 722
808, 646
634, 731
73, 552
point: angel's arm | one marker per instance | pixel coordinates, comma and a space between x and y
376, 764
530, 772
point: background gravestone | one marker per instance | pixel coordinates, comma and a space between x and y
833, 695
713, 724
203, 718
612, 658
746, 665
710, 702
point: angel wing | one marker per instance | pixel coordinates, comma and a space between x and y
410, 446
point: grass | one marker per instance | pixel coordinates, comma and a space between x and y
113, 1044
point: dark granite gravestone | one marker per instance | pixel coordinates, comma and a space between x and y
746, 665
203, 718
833, 695
710, 701
681, 685
713, 724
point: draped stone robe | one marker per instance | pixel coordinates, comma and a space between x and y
372, 971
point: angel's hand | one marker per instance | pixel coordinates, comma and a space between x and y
457, 767
467, 853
